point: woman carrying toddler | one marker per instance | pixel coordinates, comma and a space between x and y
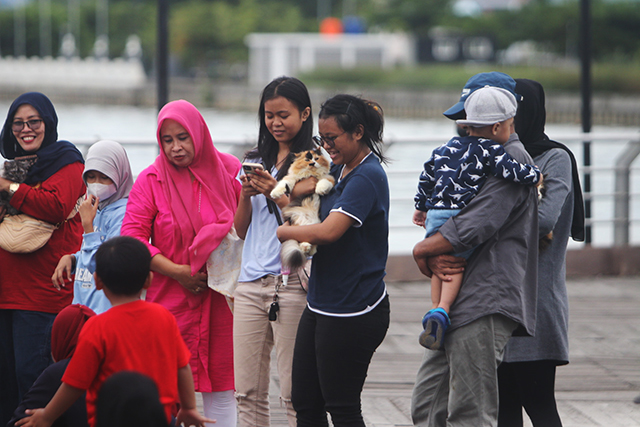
453, 175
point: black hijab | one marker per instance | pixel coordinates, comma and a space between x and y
53, 155
530, 121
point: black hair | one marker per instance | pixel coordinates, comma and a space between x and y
296, 92
129, 399
351, 111
123, 264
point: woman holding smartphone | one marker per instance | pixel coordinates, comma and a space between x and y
266, 313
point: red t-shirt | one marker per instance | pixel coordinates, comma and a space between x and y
138, 336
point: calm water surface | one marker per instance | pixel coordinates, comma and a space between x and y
125, 123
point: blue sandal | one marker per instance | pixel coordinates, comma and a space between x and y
435, 323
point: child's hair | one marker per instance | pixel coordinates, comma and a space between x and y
296, 92
129, 399
123, 263
350, 111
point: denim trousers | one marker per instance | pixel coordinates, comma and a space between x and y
458, 387
25, 351
330, 364
254, 338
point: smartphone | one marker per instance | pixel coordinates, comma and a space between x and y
250, 168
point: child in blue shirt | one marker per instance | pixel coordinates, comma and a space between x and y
108, 177
453, 176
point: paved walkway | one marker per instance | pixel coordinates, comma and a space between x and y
596, 389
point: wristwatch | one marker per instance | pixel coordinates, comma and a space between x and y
13, 187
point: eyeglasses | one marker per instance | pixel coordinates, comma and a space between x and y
329, 140
33, 124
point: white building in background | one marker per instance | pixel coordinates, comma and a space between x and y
75, 73
288, 54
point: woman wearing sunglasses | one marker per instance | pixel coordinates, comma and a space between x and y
28, 301
347, 313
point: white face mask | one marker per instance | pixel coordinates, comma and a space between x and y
101, 191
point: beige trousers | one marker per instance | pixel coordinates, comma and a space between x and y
254, 338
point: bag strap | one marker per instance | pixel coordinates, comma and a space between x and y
73, 212
273, 208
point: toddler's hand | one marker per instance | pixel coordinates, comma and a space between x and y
419, 218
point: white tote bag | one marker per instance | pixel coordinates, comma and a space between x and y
223, 265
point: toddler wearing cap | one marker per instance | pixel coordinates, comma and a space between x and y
454, 174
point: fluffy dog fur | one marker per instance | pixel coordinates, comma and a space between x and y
312, 163
14, 170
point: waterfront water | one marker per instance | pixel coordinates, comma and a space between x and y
93, 122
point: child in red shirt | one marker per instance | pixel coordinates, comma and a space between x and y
134, 335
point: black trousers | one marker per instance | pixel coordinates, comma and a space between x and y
528, 385
330, 363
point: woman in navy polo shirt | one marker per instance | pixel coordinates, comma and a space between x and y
347, 313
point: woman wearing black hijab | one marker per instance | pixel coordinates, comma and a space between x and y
28, 300
526, 376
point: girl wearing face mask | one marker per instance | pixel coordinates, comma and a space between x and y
108, 176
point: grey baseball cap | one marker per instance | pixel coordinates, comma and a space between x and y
489, 105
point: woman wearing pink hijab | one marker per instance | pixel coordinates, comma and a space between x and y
182, 206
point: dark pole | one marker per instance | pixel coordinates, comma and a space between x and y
163, 53
585, 92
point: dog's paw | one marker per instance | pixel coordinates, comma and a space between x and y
306, 247
323, 187
278, 190
313, 250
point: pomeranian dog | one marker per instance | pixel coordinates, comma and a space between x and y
545, 241
15, 170
304, 211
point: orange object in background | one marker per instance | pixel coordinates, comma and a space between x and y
331, 25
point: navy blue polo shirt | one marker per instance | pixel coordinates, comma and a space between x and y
347, 275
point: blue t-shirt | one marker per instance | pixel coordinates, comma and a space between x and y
347, 275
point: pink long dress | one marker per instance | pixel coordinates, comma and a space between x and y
184, 215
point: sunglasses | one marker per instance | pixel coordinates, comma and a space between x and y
33, 124
329, 140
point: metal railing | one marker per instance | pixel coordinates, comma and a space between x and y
622, 173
